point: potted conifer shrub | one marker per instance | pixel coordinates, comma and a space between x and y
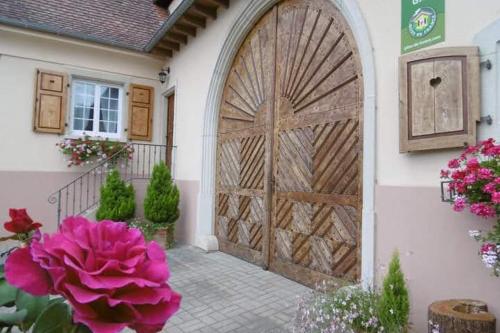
117, 199
161, 204
394, 307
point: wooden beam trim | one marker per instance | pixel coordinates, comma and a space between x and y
194, 20
169, 45
206, 11
185, 28
223, 3
176, 37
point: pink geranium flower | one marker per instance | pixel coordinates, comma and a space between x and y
495, 197
454, 163
484, 173
470, 179
490, 187
459, 204
111, 277
483, 210
473, 164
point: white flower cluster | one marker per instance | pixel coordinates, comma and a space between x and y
490, 257
344, 310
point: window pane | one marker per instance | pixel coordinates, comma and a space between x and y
102, 126
114, 93
112, 127
78, 112
113, 115
79, 100
104, 115
113, 104
89, 113
78, 124
79, 88
108, 113
89, 125
104, 92
83, 112
104, 103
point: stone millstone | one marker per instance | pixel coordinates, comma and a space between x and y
461, 316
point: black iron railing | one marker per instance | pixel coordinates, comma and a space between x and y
83, 193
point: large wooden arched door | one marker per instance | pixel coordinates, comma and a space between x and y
288, 192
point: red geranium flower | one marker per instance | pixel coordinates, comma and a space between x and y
20, 222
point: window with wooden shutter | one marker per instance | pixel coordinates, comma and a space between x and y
141, 99
50, 102
439, 98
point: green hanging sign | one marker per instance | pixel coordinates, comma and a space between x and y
422, 24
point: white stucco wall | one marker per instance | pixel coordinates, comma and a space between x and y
192, 69
21, 53
463, 20
191, 72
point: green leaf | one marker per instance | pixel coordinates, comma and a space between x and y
54, 319
34, 305
13, 318
7, 293
56, 300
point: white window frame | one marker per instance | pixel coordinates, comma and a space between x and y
97, 107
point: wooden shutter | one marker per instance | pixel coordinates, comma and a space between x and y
140, 116
439, 98
50, 102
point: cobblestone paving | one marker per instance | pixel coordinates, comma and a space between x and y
222, 293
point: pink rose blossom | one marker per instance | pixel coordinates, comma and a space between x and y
482, 209
111, 277
459, 204
484, 173
453, 164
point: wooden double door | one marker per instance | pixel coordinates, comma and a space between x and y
289, 146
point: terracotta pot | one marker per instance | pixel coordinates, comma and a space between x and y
165, 236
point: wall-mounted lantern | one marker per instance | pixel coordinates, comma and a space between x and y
164, 74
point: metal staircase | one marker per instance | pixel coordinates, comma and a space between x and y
82, 194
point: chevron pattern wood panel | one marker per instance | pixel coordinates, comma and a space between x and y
290, 145
252, 162
318, 151
243, 148
295, 160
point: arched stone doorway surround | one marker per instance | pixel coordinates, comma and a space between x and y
205, 238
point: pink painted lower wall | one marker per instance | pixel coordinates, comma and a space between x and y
31, 190
438, 257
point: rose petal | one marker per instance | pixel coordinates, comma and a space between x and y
21, 271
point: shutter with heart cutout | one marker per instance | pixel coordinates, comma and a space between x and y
439, 98
50, 102
141, 99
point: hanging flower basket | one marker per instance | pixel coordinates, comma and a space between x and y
473, 182
84, 150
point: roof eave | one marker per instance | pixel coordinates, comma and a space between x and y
53, 30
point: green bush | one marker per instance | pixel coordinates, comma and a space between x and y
117, 199
394, 306
161, 204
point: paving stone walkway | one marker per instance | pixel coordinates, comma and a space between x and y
222, 293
